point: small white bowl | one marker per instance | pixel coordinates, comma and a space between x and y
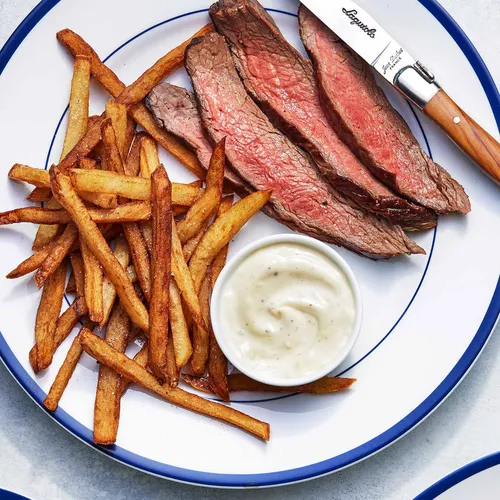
227, 346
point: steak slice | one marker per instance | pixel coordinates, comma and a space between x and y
283, 84
371, 126
175, 109
267, 159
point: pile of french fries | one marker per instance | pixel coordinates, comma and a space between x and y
142, 253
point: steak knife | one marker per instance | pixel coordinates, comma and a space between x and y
368, 39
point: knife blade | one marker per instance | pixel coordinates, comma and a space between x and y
370, 41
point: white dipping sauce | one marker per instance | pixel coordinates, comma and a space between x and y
287, 310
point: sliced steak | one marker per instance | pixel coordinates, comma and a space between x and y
364, 118
267, 159
175, 109
283, 84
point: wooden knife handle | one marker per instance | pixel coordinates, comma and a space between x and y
466, 133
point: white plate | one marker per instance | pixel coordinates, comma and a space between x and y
426, 319
479, 479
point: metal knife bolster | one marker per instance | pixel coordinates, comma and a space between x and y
410, 77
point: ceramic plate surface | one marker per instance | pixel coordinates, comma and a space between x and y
426, 318
479, 479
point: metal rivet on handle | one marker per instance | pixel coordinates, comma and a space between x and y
457, 120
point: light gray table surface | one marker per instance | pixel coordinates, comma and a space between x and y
42, 461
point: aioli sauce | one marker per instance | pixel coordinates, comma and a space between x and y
287, 310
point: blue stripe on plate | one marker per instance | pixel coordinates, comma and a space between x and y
335, 463
459, 475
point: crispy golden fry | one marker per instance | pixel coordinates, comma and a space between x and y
201, 336
78, 104
57, 254
33, 262
122, 254
238, 383
47, 314
40, 195
140, 256
184, 281
46, 234
129, 369
112, 153
79, 275
217, 362
76, 45
128, 212
161, 222
135, 188
160, 69
63, 190
132, 273
190, 246
220, 260
221, 231
65, 372
147, 234
132, 165
93, 283
178, 327
71, 285
173, 372
179, 210
99, 199
141, 358
117, 112
35, 176
109, 384
209, 201
149, 160
64, 326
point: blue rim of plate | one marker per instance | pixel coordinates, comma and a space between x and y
10, 495
327, 466
456, 477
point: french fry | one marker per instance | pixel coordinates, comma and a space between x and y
149, 160
173, 371
141, 358
179, 210
239, 383
135, 188
58, 253
190, 246
122, 254
64, 326
40, 195
209, 200
217, 362
221, 231
109, 384
178, 327
71, 285
78, 104
76, 45
33, 262
64, 192
132, 165
47, 315
160, 69
77, 126
132, 273
46, 234
35, 176
129, 369
201, 336
112, 153
93, 283
78, 267
128, 212
161, 221
65, 372
101, 200
184, 281
117, 113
